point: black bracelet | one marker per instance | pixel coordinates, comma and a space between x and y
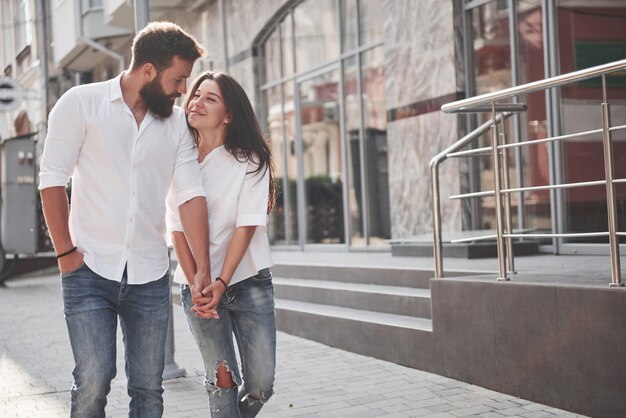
68, 252
223, 282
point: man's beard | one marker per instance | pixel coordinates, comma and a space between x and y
156, 100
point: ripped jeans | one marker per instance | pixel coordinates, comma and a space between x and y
247, 312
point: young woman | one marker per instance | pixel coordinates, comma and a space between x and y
236, 166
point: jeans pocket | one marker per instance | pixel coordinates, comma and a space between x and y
71, 272
263, 275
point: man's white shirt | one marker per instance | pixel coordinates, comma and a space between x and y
121, 174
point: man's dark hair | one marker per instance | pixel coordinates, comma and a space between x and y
158, 42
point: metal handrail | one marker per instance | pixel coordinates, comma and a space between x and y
560, 137
476, 152
531, 235
434, 182
547, 83
502, 191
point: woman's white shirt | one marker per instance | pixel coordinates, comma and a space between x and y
236, 196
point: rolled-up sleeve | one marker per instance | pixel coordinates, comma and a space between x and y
172, 215
253, 198
64, 140
187, 179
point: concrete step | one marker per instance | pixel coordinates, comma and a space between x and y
387, 276
357, 315
372, 297
381, 335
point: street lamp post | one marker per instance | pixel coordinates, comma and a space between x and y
142, 14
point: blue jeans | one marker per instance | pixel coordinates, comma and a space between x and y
92, 305
247, 311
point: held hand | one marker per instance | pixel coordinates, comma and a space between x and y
201, 300
71, 262
201, 311
216, 290
200, 281
206, 309
200, 304
214, 293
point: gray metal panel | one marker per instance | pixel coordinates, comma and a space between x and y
19, 197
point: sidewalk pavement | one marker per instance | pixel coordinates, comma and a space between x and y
313, 380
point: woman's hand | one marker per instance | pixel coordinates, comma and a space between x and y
213, 294
201, 302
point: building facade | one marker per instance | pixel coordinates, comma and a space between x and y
349, 92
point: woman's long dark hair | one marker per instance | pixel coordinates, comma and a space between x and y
243, 137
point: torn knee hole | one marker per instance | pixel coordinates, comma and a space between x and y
224, 376
263, 397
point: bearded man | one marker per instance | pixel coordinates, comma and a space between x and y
124, 145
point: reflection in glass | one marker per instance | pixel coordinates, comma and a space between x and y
286, 30
309, 144
321, 158
272, 57
591, 34
492, 47
492, 72
291, 191
349, 25
277, 233
371, 20
375, 143
316, 30
352, 110
534, 121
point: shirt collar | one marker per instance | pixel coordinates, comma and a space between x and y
115, 90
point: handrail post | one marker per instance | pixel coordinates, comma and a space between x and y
609, 170
434, 181
507, 206
498, 196
437, 244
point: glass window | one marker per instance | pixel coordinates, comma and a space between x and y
535, 167
349, 38
492, 71
315, 180
317, 40
492, 48
371, 20
23, 26
7, 48
375, 145
321, 158
591, 34
352, 111
286, 30
272, 57
292, 163
274, 106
